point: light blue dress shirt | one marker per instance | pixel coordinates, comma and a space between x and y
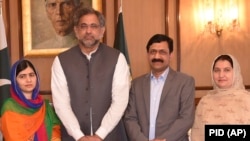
156, 86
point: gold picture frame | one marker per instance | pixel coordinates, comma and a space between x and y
29, 10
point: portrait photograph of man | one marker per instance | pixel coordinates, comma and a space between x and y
52, 23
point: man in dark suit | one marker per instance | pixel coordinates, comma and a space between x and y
161, 104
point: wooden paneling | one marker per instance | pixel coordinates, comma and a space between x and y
199, 47
142, 19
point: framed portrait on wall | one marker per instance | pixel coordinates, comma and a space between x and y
48, 27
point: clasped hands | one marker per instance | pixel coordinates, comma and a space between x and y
90, 138
97, 138
158, 140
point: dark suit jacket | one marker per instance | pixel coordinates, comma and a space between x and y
176, 110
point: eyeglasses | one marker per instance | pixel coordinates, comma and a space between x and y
91, 26
154, 52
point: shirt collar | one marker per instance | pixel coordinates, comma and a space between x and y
163, 76
89, 55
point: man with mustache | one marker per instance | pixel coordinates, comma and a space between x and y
161, 103
90, 84
60, 13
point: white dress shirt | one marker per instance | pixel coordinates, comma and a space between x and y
156, 86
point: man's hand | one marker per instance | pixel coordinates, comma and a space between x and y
158, 140
81, 139
90, 138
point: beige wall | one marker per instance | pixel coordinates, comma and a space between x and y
199, 48
142, 19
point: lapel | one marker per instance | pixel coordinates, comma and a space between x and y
167, 85
166, 88
146, 93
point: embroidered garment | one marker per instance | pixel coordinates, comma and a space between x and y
222, 106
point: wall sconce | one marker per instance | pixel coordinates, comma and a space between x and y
220, 15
